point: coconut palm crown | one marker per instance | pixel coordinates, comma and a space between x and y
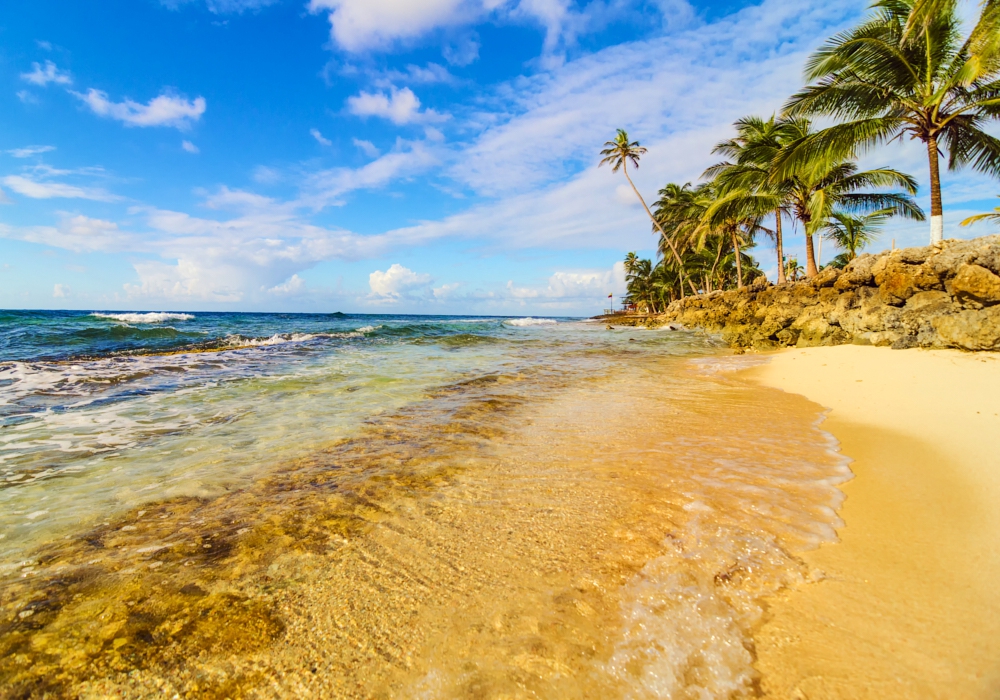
908, 72
618, 154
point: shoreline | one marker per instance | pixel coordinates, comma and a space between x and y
907, 606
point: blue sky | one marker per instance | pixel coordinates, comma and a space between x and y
420, 156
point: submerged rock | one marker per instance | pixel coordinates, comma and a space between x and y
931, 297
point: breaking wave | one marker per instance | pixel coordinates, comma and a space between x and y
152, 317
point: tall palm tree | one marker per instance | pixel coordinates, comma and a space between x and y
752, 155
736, 215
618, 154
993, 216
907, 71
821, 184
852, 233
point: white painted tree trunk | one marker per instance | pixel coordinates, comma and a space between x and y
937, 229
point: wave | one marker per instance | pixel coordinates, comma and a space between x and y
239, 341
529, 321
152, 317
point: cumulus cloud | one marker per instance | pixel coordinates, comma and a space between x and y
357, 25
396, 282
29, 151
60, 291
362, 25
190, 147
44, 75
165, 110
399, 106
574, 286
44, 189
293, 285
320, 138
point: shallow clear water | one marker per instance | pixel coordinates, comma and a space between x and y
233, 505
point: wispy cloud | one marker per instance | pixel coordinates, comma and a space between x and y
164, 110
315, 133
367, 147
190, 147
28, 151
44, 189
78, 233
43, 75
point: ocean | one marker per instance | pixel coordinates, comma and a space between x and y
333, 505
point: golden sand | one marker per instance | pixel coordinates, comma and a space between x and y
910, 604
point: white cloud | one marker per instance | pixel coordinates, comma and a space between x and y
39, 189
293, 285
399, 106
44, 45
396, 282
80, 234
29, 151
367, 147
190, 147
574, 286
319, 137
42, 76
60, 291
164, 110
327, 187
357, 25
26, 97
361, 25
445, 291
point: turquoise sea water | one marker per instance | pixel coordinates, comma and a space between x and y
281, 505
101, 411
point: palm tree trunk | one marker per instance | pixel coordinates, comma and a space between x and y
715, 264
739, 263
779, 246
937, 211
810, 256
680, 263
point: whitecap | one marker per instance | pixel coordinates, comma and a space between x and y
529, 321
151, 317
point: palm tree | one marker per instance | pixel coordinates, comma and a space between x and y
820, 185
736, 215
753, 152
993, 216
852, 233
907, 71
793, 269
619, 153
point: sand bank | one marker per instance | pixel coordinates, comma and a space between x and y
910, 603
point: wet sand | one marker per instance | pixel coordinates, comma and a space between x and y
910, 603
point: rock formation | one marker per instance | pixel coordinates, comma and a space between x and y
945, 296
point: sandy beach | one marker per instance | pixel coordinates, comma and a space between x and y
908, 605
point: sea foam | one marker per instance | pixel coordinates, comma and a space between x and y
152, 317
529, 321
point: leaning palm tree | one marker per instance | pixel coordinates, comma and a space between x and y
618, 154
908, 71
852, 233
993, 216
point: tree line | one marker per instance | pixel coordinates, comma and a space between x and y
908, 71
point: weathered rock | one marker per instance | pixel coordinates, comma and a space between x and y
932, 297
971, 329
826, 277
974, 286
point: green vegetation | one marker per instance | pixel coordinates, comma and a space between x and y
906, 71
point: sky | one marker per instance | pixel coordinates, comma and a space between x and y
382, 156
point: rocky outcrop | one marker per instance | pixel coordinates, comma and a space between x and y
945, 296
